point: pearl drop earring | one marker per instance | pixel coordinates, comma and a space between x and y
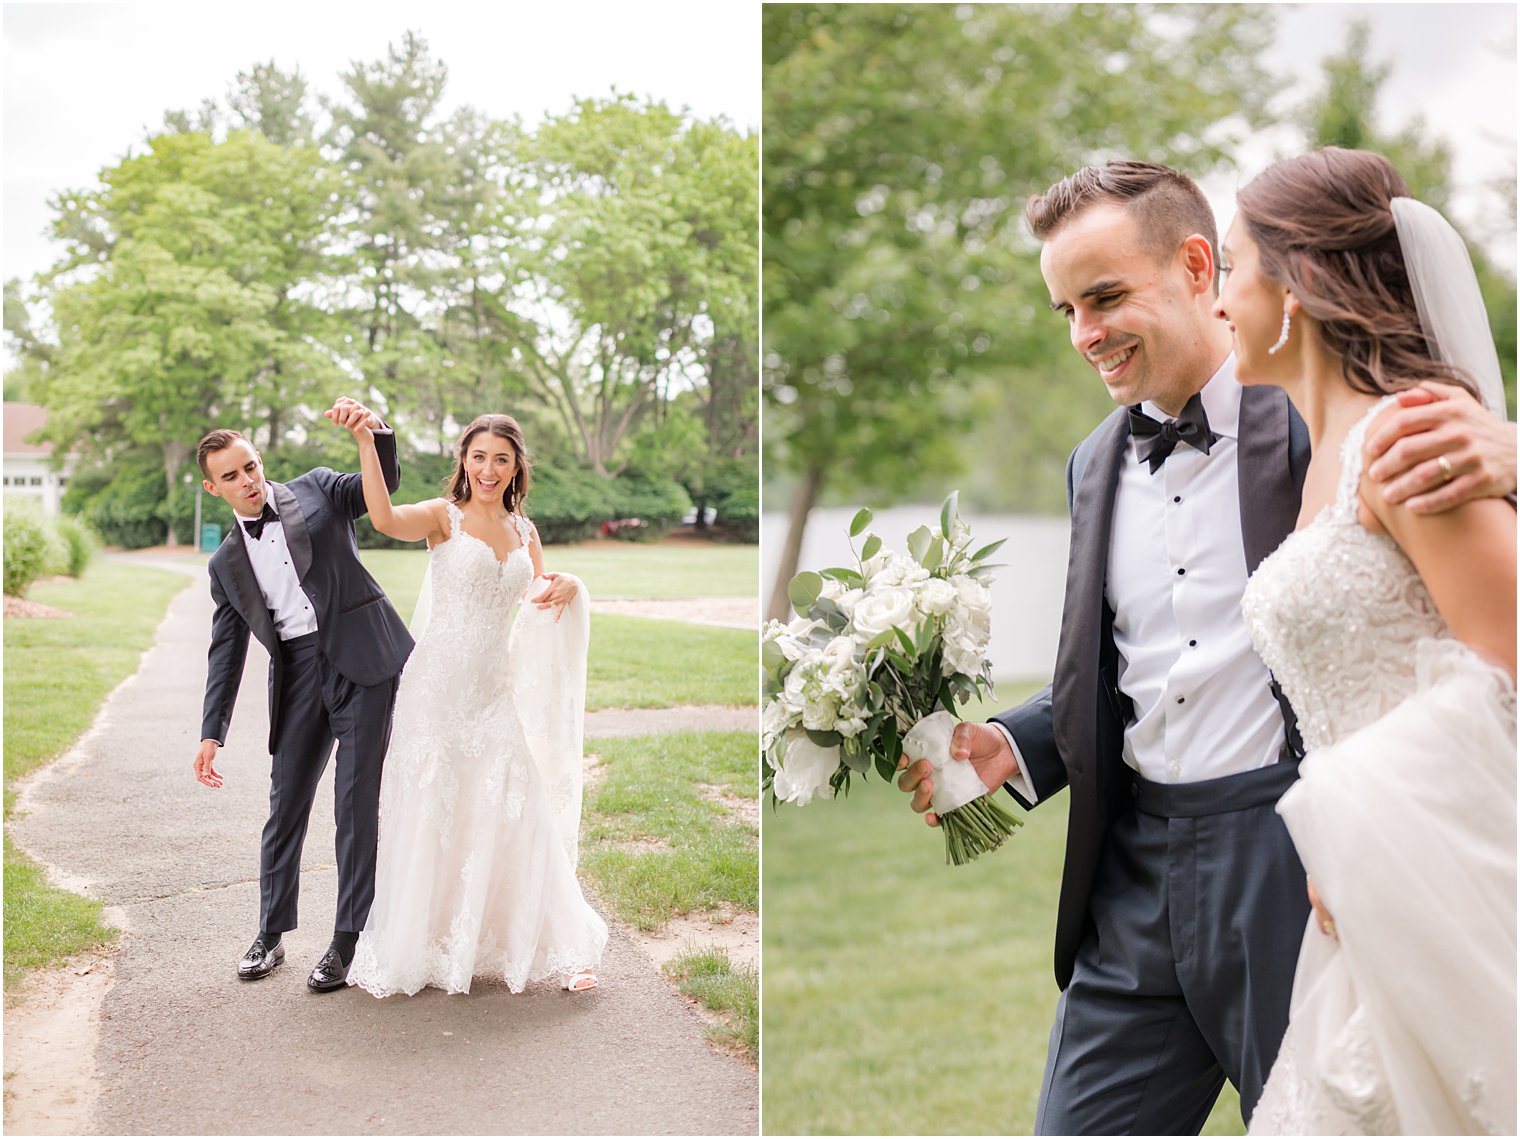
1282, 338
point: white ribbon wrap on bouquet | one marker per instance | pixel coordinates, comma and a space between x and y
956, 782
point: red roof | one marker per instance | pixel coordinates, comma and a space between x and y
21, 419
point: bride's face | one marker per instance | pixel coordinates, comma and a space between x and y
490, 464
1252, 304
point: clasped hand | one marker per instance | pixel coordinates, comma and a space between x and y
349, 413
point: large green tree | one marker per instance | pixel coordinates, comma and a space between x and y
176, 303
900, 144
644, 276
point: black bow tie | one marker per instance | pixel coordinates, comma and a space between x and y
255, 528
1155, 441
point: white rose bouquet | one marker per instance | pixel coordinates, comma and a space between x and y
874, 664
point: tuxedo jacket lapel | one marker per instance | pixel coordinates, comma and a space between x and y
1270, 465
1075, 688
250, 601
288, 507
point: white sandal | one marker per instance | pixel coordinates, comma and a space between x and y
579, 982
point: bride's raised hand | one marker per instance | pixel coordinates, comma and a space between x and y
354, 417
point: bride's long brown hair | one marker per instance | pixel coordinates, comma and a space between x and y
1324, 227
503, 427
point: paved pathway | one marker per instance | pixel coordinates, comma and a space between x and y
186, 1048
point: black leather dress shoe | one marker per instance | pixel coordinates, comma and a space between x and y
260, 960
331, 973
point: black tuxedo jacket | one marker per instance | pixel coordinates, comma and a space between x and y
359, 630
1071, 734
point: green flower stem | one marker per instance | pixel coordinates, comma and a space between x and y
974, 829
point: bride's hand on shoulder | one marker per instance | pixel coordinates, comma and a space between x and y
1440, 448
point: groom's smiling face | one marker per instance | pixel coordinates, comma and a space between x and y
1133, 308
236, 473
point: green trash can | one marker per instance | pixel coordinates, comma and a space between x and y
211, 537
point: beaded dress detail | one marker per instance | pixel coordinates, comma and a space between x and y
1404, 816
475, 875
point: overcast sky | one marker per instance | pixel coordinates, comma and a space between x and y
83, 82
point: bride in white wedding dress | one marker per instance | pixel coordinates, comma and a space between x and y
480, 798
1393, 635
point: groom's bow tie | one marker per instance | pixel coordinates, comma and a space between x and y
255, 528
1155, 441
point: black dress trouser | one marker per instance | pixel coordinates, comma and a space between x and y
1185, 974
318, 705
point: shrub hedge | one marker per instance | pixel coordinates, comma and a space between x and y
33, 548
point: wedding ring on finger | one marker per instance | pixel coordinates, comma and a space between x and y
1446, 472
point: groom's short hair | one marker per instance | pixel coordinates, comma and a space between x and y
214, 441
1167, 205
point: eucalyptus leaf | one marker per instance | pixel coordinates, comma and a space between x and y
886, 768
936, 555
771, 656
861, 520
857, 761
824, 739
906, 642
947, 513
804, 590
833, 616
871, 548
918, 543
987, 549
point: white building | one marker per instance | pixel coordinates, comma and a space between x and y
28, 468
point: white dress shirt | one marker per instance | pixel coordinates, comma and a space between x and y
281, 589
1202, 698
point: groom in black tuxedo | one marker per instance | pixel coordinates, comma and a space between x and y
1182, 900
289, 573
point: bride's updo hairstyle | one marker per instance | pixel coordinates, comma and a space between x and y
1325, 229
503, 427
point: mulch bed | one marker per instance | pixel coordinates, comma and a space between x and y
21, 607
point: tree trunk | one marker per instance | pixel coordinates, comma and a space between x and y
802, 505
172, 464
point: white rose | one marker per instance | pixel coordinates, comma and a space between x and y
936, 596
805, 769
883, 608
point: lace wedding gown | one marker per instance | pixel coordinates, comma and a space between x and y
479, 810
1405, 818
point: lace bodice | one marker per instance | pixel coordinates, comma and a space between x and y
1338, 614
474, 593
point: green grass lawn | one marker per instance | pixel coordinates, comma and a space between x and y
636, 662
57, 674
609, 569
903, 996
666, 788
707, 975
